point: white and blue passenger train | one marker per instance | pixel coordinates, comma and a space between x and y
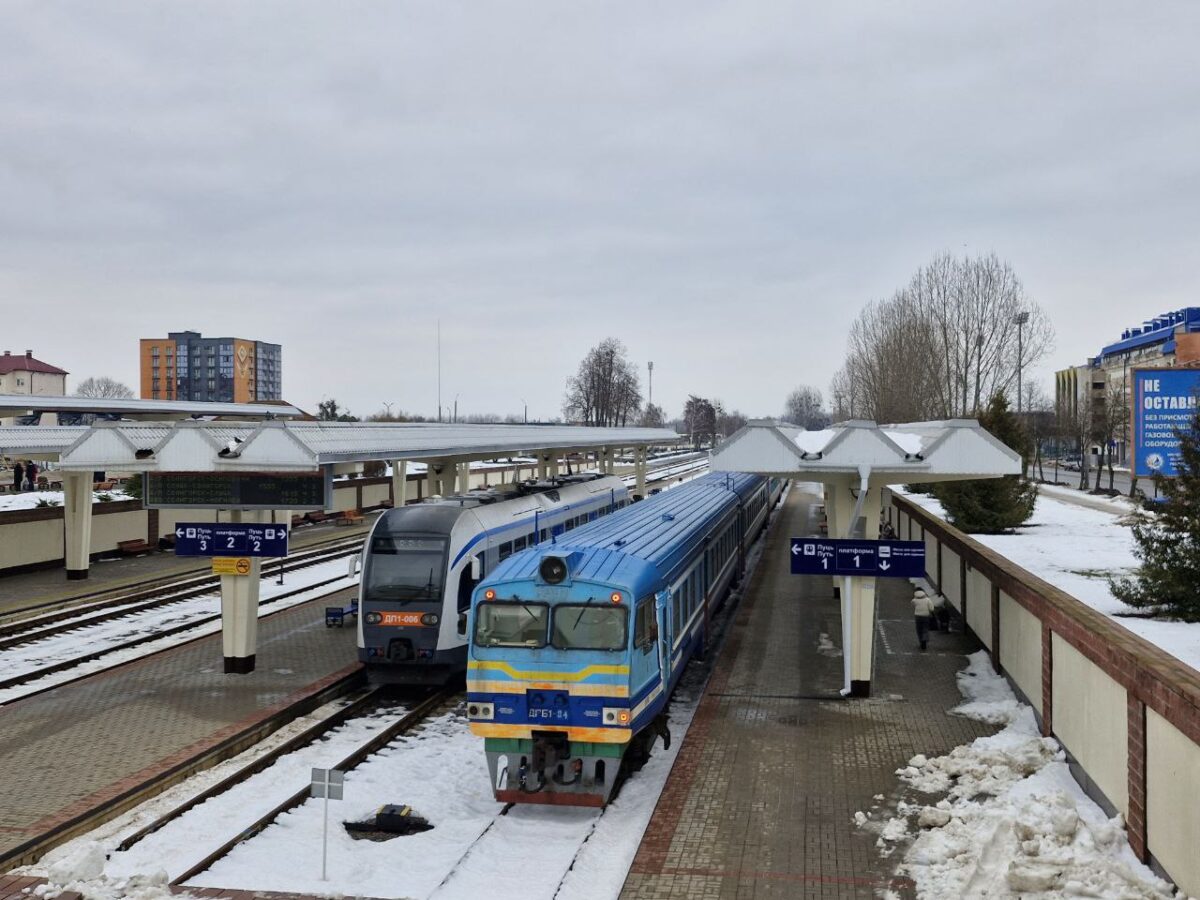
577, 644
421, 562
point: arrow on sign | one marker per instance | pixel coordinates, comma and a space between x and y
795, 549
885, 565
178, 532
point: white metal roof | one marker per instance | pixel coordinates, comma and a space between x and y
914, 452
27, 404
192, 446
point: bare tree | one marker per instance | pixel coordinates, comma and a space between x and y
806, 407
103, 387
727, 421
1108, 420
606, 390
942, 344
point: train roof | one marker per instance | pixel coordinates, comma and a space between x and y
633, 546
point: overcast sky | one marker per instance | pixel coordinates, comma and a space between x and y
721, 186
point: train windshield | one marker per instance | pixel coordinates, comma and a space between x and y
587, 627
511, 625
406, 568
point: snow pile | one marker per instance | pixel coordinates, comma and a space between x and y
1012, 822
82, 870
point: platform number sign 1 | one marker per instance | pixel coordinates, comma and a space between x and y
326, 785
875, 559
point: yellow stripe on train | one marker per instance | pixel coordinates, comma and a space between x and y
501, 666
592, 735
520, 687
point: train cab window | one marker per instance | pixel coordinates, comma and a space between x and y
646, 626
506, 550
585, 626
511, 624
405, 567
519, 544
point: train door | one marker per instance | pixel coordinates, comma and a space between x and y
468, 578
645, 661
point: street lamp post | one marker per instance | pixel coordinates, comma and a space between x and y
650, 398
526, 407
1020, 318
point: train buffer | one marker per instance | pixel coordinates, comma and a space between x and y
336, 615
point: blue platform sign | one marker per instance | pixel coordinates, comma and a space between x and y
1164, 400
877, 559
230, 539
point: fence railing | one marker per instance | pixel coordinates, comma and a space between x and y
1127, 712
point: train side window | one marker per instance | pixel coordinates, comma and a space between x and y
506, 550
645, 631
542, 535
519, 544
570, 524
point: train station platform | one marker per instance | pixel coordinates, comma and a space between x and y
762, 798
48, 585
99, 741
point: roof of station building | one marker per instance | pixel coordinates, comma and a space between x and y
26, 362
25, 404
912, 452
195, 446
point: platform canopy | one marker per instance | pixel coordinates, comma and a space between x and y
915, 452
194, 446
158, 410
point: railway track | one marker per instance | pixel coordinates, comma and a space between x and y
76, 658
168, 589
436, 702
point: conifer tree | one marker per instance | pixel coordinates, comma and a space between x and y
1168, 541
992, 505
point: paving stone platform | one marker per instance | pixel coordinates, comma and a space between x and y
16, 887
762, 797
67, 750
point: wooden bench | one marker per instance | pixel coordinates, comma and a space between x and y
104, 485
133, 548
336, 615
350, 517
297, 521
315, 518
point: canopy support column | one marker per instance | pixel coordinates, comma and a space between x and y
464, 477
77, 520
399, 483
239, 608
639, 469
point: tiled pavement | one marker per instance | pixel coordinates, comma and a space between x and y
762, 797
15, 887
87, 742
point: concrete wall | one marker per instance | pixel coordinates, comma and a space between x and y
979, 606
1172, 780
1091, 722
1021, 649
1127, 712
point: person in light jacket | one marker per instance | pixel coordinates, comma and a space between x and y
923, 610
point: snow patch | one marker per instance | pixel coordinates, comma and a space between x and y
1012, 822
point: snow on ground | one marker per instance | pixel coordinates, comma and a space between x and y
89, 639
30, 499
1012, 821
1077, 549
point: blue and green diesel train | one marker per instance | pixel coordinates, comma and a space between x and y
577, 643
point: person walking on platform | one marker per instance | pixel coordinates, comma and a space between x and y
18, 477
31, 473
923, 607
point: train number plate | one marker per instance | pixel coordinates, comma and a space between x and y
548, 706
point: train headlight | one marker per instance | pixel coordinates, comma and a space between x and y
481, 711
615, 715
553, 570
373, 618
430, 619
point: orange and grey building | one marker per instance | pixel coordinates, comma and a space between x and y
185, 365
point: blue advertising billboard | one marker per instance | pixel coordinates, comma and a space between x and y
1164, 400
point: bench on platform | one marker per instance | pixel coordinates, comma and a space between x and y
316, 517
350, 517
133, 548
104, 485
336, 615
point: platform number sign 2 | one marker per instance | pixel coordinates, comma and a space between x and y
208, 539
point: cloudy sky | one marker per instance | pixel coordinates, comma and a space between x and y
722, 186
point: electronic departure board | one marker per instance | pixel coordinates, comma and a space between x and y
237, 490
